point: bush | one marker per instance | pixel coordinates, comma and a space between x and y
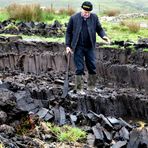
69, 11
133, 26
112, 12
50, 9
28, 12
62, 11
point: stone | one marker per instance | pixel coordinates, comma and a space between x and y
119, 144
91, 139
8, 130
3, 117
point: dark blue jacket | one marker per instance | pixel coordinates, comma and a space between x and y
74, 29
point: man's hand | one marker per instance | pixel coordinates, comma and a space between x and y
68, 50
105, 38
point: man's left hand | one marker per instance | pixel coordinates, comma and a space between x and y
105, 38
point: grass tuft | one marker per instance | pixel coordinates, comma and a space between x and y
112, 12
67, 133
131, 25
28, 12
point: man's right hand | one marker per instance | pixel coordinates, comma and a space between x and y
69, 50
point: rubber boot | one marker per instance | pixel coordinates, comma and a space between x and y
91, 82
79, 85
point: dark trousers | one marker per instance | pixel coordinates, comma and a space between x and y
88, 54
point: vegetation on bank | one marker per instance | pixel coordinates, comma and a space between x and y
65, 133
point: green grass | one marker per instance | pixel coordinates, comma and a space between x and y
145, 49
110, 46
3, 15
67, 133
50, 18
119, 32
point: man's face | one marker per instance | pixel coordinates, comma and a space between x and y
85, 13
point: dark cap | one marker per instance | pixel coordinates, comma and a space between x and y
87, 6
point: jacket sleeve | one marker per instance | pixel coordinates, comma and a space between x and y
69, 33
99, 28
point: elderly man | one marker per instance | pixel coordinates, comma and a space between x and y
81, 39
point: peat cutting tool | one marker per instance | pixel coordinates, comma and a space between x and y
66, 81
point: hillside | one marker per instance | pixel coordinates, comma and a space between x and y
99, 6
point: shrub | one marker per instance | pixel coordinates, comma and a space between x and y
50, 9
112, 12
69, 11
62, 11
26, 12
133, 26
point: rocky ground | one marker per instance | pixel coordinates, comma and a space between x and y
99, 114
32, 77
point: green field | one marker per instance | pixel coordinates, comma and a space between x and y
99, 6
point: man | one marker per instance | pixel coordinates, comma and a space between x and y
81, 39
